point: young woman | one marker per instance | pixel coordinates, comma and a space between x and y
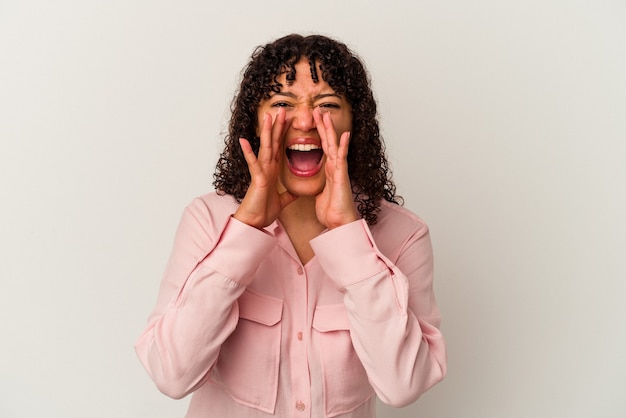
301, 287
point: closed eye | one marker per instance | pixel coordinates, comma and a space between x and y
280, 104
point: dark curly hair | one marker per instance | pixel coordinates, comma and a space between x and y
367, 164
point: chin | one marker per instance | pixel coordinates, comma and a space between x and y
305, 187
301, 192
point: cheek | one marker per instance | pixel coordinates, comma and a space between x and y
342, 123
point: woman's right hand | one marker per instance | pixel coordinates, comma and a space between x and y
263, 202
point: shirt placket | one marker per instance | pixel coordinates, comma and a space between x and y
298, 329
301, 382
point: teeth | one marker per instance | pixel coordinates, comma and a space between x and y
303, 147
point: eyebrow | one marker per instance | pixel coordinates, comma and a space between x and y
318, 97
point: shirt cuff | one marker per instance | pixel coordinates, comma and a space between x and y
348, 253
239, 252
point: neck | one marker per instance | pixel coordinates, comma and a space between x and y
301, 212
301, 224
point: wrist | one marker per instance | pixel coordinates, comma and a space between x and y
344, 221
243, 217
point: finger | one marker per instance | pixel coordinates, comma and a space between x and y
326, 136
331, 135
340, 164
319, 125
344, 146
286, 198
265, 146
278, 128
317, 117
248, 153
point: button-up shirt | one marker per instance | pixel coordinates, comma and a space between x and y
242, 324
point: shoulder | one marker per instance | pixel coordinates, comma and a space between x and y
200, 226
397, 228
214, 205
207, 214
397, 218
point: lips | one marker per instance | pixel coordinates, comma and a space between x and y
304, 159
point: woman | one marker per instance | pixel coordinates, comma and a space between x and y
301, 287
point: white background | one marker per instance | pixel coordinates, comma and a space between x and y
506, 127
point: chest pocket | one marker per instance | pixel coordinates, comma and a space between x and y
247, 366
345, 381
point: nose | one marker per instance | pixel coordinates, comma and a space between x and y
303, 118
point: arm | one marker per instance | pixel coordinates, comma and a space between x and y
393, 315
196, 310
210, 266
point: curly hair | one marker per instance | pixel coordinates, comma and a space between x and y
368, 168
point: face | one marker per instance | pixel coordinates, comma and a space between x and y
301, 170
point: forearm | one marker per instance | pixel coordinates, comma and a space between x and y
179, 347
404, 356
393, 317
198, 309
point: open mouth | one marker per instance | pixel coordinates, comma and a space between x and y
305, 159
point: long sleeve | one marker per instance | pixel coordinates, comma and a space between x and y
394, 320
197, 307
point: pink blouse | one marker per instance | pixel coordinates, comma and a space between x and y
242, 324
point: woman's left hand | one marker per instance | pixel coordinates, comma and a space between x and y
335, 204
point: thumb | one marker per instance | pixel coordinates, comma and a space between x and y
286, 198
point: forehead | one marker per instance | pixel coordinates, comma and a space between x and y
302, 76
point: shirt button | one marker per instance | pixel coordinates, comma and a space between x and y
300, 336
300, 270
300, 406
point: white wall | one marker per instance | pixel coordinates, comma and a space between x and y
506, 125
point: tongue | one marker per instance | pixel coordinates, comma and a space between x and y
305, 160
